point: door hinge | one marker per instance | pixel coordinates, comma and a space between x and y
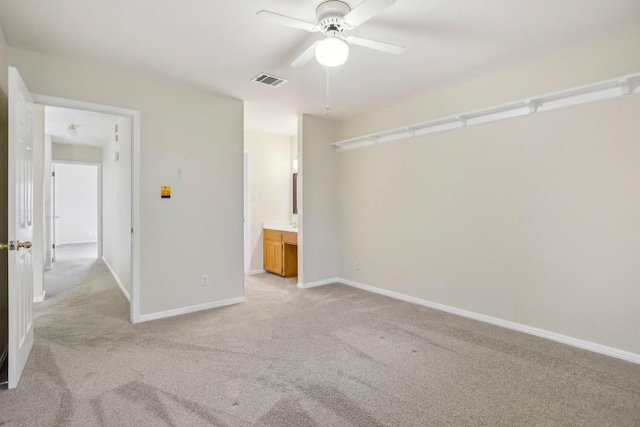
53, 174
131, 230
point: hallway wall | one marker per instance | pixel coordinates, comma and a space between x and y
116, 203
191, 139
76, 153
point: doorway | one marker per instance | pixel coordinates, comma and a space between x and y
27, 222
76, 230
118, 185
91, 157
271, 194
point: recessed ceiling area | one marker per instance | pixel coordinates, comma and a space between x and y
222, 45
92, 128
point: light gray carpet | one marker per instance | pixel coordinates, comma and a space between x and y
331, 355
76, 251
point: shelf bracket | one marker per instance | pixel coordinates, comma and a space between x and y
625, 86
532, 105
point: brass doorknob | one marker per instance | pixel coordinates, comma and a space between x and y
25, 245
3, 246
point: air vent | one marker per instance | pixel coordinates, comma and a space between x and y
269, 80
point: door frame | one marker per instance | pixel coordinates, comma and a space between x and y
99, 206
134, 115
247, 211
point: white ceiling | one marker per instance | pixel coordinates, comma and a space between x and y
93, 128
220, 45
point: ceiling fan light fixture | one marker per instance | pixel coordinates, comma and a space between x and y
332, 52
72, 131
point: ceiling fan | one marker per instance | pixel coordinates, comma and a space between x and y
334, 18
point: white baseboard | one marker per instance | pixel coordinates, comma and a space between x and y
575, 342
319, 283
117, 279
192, 309
252, 272
41, 297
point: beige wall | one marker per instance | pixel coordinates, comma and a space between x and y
4, 62
269, 156
531, 219
191, 140
116, 203
318, 240
609, 57
76, 153
4, 228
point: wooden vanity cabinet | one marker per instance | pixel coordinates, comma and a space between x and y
281, 252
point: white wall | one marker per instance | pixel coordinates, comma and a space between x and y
318, 222
47, 203
76, 153
38, 241
76, 203
190, 139
293, 155
116, 203
531, 220
270, 183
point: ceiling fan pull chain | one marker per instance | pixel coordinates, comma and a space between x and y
327, 113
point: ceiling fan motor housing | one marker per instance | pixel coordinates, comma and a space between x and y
330, 16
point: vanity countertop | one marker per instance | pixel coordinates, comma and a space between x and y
279, 226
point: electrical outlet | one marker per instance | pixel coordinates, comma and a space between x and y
356, 267
204, 280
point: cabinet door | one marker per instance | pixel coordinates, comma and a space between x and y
277, 258
290, 261
273, 256
268, 255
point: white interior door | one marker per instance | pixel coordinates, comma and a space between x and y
20, 227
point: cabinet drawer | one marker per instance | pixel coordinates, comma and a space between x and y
273, 235
290, 238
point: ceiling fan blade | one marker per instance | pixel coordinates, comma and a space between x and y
305, 56
365, 11
287, 21
382, 47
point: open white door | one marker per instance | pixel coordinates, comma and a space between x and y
20, 227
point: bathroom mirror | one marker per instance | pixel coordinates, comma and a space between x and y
295, 193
